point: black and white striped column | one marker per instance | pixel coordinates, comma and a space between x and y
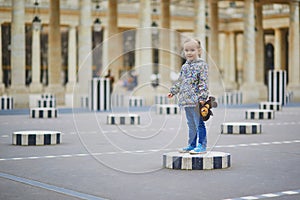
136, 101
260, 114
42, 100
118, 100
276, 106
123, 119
38, 137
277, 86
43, 112
209, 160
84, 102
100, 94
7, 103
47, 103
161, 99
231, 98
167, 109
240, 128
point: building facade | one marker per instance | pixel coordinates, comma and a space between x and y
141, 40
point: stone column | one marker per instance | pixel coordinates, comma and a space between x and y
250, 93
105, 59
84, 51
278, 64
239, 58
294, 51
36, 86
229, 62
175, 63
2, 86
199, 25
72, 65
54, 53
215, 80
18, 88
72, 60
114, 55
259, 55
164, 41
143, 54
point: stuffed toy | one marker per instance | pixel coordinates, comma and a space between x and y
205, 109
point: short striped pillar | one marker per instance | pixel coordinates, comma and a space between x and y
161, 99
84, 102
7, 103
277, 86
37, 137
231, 98
123, 119
167, 109
276, 106
43, 112
99, 94
209, 160
289, 96
260, 114
47, 103
136, 101
118, 100
240, 128
42, 100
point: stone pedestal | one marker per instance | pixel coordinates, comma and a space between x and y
260, 114
123, 119
167, 109
209, 160
240, 128
276, 106
34, 138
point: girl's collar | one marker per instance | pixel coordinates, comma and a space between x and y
193, 61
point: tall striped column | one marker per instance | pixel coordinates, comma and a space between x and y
277, 86
99, 98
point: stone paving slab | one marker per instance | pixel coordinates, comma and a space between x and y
117, 162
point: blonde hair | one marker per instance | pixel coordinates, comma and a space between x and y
193, 40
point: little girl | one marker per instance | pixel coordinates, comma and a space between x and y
192, 88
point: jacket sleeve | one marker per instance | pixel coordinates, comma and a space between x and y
203, 83
176, 87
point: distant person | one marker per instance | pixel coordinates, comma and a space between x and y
112, 80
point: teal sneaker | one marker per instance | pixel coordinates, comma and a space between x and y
198, 150
186, 149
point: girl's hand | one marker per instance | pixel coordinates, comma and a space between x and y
170, 95
202, 103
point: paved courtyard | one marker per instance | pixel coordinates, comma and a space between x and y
100, 161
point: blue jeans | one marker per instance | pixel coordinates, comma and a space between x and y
196, 127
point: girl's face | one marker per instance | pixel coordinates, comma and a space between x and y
191, 50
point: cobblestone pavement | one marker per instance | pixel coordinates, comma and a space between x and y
100, 161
